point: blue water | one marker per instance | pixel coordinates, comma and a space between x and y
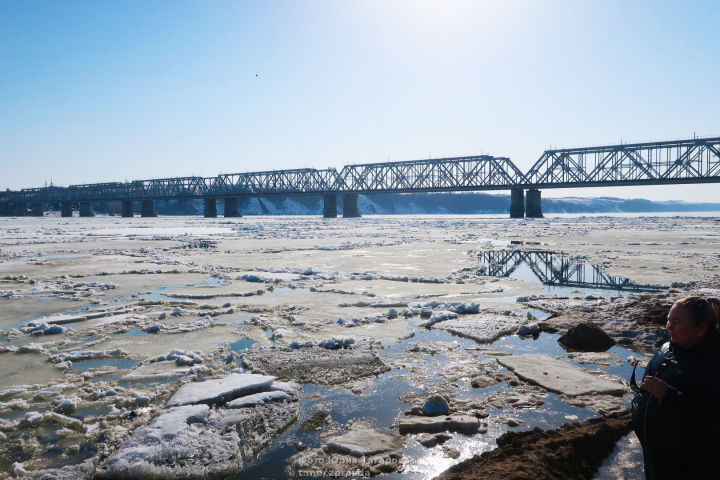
381, 404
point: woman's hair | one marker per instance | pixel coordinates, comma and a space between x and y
702, 310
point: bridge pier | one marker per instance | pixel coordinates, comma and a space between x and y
231, 207
517, 203
330, 206
127, 209
4, 209
36, 209
66, 209
147, 209
20, 210
350, 206
534, 207
210, 208
86, 209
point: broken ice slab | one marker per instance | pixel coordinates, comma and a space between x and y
221, 390
558, 376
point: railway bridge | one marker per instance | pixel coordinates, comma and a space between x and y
688, 161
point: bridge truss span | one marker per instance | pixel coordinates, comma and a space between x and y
653, 163
277, 182
481, 172
694, 160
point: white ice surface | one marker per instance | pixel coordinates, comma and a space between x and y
258, 398
220, 390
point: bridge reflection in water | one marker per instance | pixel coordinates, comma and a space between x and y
555, 270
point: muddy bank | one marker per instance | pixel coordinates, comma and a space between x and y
636, 321
573, 451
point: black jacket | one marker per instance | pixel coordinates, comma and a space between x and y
680, 434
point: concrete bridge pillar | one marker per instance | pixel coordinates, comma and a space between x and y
330, 206
231, 207
20, 210
517, 203
66, 209
147, 209
350, 206
86, 210
36, 209
533, 208
210, 208
127, 209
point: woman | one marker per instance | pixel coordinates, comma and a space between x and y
675, 415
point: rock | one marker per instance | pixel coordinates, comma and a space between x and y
221, 390
559, 376
449, 423
436, 405
586, 337
364, 442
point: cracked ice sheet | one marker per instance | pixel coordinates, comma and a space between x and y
417, 259
205, 340
426, 292
229, 290
135, 283
483, 327
81, 265
27, 368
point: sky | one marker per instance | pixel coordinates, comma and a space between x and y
95, 91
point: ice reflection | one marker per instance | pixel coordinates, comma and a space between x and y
555, 270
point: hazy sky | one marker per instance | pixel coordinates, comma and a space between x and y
113, 90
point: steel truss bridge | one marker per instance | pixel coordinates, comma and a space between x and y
557, 270
695, 160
